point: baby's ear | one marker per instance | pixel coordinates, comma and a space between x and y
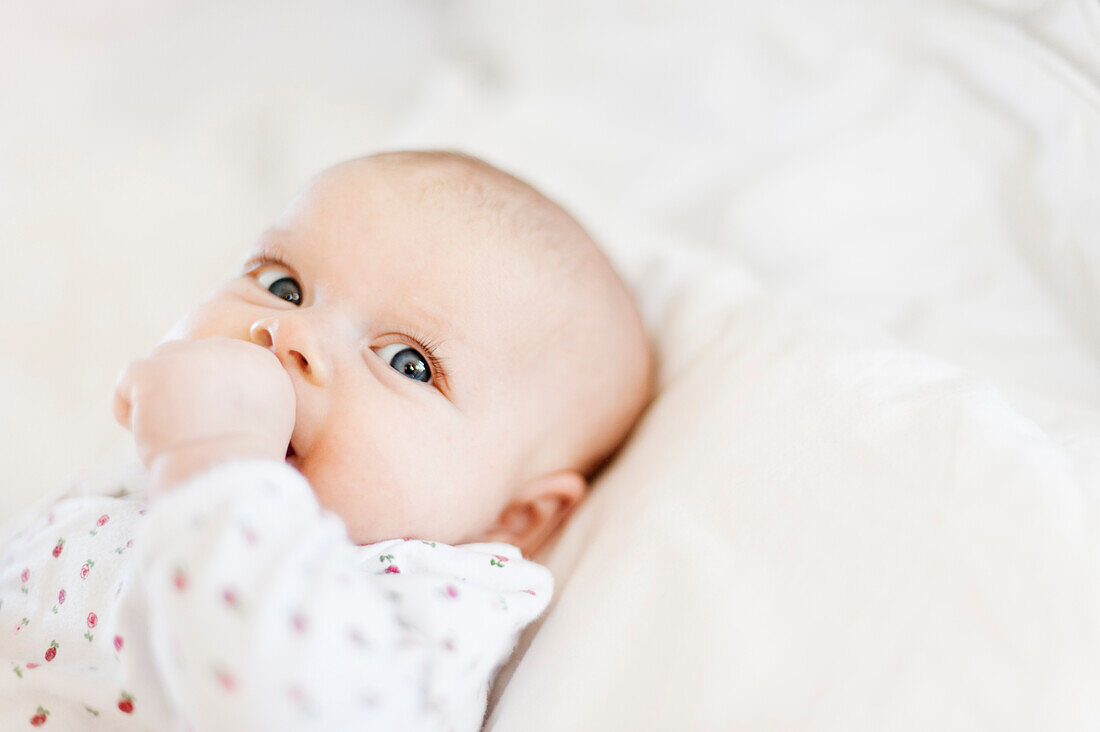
537, 509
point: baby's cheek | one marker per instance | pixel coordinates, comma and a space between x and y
395, 483
369, 511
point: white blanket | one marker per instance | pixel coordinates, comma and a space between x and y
885, 522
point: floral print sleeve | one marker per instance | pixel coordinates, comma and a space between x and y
259, 613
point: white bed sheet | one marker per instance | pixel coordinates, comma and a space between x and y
817, 527
888, 521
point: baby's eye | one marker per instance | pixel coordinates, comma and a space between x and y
406, 360
280, 285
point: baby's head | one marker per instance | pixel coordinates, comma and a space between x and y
463, 355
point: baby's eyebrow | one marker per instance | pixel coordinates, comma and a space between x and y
438, 328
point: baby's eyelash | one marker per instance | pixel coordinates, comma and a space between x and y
429, 347
262, 259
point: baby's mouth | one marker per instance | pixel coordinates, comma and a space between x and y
291, 456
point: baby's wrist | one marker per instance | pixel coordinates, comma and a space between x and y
174, 466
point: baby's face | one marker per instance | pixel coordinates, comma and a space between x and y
414, 346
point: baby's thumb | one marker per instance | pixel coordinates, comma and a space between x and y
122, 398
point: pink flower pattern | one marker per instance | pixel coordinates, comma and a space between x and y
100, 557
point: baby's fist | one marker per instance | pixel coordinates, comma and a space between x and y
192, 403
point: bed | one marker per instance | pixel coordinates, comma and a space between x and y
866, 241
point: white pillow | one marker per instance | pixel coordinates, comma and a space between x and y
812, 527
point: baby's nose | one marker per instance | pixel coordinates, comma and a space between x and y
294, 346
261, 333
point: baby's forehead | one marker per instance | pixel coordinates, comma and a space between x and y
447, 183
446, 235
448, 207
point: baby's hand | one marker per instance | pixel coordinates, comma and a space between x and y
193, 403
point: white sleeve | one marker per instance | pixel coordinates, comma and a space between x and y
263, 615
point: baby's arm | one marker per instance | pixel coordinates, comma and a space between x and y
262, 615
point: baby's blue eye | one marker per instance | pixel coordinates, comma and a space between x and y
406, 360
286, 288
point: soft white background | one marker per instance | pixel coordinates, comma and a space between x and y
834, 148
813, 517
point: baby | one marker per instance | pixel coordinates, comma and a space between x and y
348, 450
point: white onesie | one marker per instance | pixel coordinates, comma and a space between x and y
236, 603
